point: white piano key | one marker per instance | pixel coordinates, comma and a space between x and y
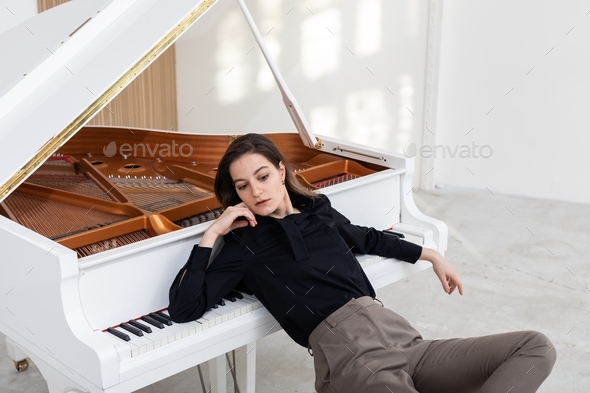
121, 346
157, 336
255, 302
202, 323
212, 317
229, 311
132, 346
194, 326
244, 305
173, 332
142, 343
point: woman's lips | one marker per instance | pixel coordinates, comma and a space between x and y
262, 202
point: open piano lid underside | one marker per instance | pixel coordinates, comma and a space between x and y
78, 57
82, 54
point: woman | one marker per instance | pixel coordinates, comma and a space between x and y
296, 254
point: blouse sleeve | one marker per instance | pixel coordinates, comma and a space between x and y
197, 288
364, 240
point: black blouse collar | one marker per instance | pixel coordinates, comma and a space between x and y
290, 223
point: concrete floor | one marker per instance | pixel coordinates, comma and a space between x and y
524, 265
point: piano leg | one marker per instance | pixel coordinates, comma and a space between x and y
17, 355
246, 367
57, 382
217, 374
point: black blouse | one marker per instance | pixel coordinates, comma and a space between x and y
301, 268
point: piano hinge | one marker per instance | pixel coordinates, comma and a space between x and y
319, 144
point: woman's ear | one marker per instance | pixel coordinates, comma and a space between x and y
282, 170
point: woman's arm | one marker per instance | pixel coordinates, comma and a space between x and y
445, 272
370, 241
365, 240
196, 288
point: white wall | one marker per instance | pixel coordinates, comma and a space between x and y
356, 67
538, 127
13, 12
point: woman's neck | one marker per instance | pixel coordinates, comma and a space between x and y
285, 208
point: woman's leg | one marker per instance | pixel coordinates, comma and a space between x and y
500, 363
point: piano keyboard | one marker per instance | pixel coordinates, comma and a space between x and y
156, 329
199, 218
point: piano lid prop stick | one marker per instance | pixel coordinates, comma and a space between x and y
291, 103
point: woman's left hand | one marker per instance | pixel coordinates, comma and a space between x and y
445, 272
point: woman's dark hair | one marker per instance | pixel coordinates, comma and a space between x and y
225, 190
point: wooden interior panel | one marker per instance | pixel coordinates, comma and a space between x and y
92, 196
149, 101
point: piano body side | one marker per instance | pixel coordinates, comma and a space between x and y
80, 297
42, 311
119, 284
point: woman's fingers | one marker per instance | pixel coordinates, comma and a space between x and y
229, 219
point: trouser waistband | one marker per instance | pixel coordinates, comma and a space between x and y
338, 316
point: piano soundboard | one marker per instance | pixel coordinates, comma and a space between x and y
92, 203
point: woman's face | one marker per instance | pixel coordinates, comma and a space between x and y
259, 184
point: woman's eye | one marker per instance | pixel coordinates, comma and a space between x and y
242, 187
264, 177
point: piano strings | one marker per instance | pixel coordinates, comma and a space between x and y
92, 203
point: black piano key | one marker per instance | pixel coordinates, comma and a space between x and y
161, 319
215, 306
140, 326
167, 317
236, 294
393, 233
152, 322
221, 303
230, 297
131, 329
117, 333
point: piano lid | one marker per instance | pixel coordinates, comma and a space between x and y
66, 64
69, 62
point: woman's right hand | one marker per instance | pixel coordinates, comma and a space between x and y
227, 222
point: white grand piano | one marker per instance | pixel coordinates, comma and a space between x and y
91, 239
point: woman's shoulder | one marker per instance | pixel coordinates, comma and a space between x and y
307, 201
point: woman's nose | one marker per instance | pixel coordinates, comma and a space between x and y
255, 190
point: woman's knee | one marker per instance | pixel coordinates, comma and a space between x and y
542, 348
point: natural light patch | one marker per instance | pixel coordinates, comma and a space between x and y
367, 119
412, 16
368, 27
231, 76
407, 112
320, 43
405, 117
323, 120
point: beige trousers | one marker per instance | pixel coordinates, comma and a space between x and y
363, 348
